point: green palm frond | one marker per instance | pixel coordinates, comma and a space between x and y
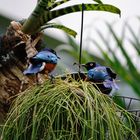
125, 54
98, 1
41, 15
72, 50
50, 2
76, 8
53, 5
135, 39
128, 71
61, 27
116, 64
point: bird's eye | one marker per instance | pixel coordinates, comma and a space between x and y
53, 52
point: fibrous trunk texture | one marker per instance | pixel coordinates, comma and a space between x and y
13, 61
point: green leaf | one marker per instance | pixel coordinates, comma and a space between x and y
53, 5
98, 1
124, 52
127, 72
47, 16
61, 27
135, 39
41, 15
120, 69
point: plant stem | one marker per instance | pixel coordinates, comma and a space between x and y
32, 24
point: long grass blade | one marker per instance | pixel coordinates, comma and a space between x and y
54, 111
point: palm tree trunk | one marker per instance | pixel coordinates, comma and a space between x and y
12, 64
10, 80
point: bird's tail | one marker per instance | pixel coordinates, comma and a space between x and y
110, 84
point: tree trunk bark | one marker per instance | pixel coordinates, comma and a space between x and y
12, 64
11, 80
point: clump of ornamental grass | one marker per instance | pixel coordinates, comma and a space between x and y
67, 110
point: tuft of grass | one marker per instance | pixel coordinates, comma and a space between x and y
67, 110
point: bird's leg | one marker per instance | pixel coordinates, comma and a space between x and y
46, 73
52, 78
24, 81
86, 79
37, 78
49, 76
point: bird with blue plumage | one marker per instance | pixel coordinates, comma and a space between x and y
103, 76
43, 62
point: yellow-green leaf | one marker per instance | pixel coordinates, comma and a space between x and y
61, 27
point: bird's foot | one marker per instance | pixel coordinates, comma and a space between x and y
24, 82
52, 78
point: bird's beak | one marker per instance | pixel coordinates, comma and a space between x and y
58, 57
83, 65
80, 65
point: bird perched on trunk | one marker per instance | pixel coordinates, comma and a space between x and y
103, 76
43, 62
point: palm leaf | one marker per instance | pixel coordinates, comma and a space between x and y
76, 8
129, 72
118, 67
72, 49
120, 45
53, 5
61, 27
135, 39
41, 19
98, 1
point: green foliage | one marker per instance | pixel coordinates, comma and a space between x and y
76, 8
128, 71
53, 4
98, 1
44, 12
62, 27
72, 49
4, 22
76, 111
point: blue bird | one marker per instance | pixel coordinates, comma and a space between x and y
43, 62
103, 76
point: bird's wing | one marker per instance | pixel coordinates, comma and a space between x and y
111, 73
98, 73
110, 84
44, 56
33, 69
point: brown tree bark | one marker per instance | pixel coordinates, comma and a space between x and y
10, 81
12, 64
